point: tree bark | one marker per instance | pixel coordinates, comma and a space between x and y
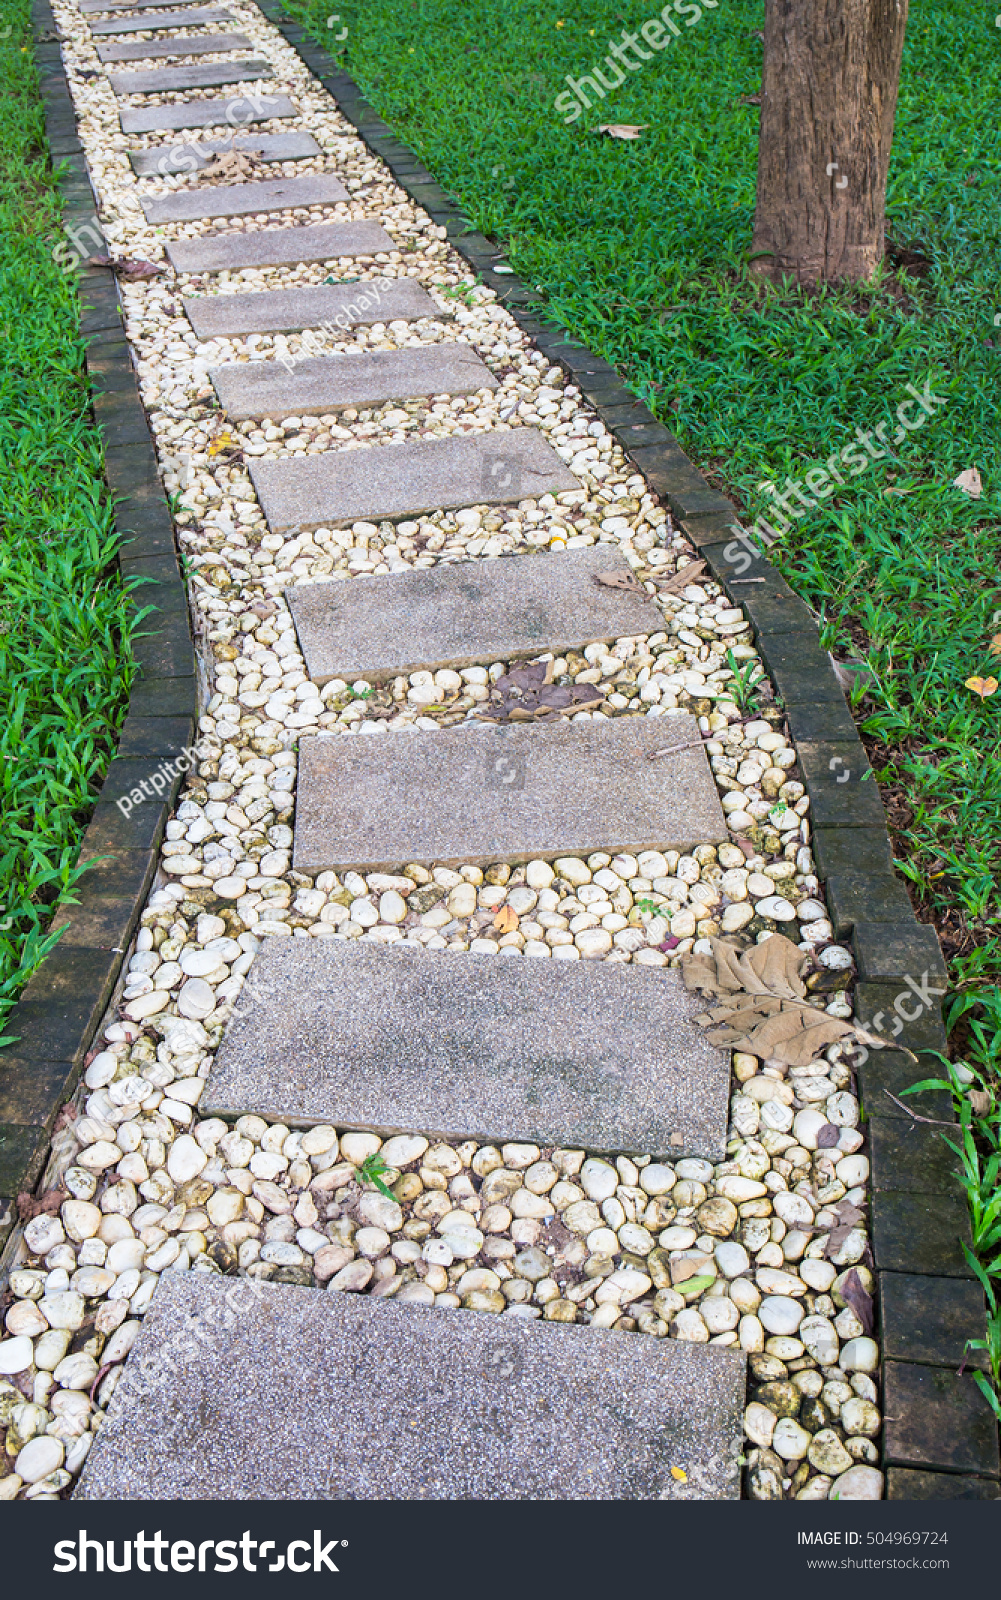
828, 99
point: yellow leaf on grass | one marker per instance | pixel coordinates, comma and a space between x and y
984, 687
506, 920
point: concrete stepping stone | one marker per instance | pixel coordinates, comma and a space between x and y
196, 17
461, 614
161, 49
343, 305
244, 199
279, 247
505, 792
90, 8
198, 152
461, 1045
368, 1399
233, 112
161, 80
399, 480
326, 383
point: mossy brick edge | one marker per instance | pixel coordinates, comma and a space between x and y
59, 1009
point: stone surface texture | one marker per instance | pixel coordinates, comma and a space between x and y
161, 80
281, 310
398, 480
278, 247
244, 199
222, 113
326, 383
162, 49
196, 153
460, 1408
468, 1046
196, 17
504, 793
461, 614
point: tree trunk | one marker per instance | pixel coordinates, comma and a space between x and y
828, 98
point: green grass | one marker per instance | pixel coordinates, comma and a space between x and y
64, 660
640, 248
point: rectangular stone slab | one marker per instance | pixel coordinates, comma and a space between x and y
161, 80
244, 199
195, 153
398, 480
196, 17
504, 792
279, 247
163, 49
343, 305
327, 383
367, 1399
460, 1045
461, 614
206, 114
90, 8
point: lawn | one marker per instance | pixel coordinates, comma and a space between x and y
65, 666
641, 247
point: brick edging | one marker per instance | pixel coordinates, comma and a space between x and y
60, 1007
939, 1440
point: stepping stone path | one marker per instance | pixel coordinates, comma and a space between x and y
198, 152
470, 1047
361, 1018
278, 247
233, 112
161, 80
89, 8
157, 49
514, 793
523, 1411
398, 480
459, 615
244, 199
282, 310
331, 383
193, 18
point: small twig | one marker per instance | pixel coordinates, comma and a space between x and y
936, 1121
734, 581
102, 1374
670, 750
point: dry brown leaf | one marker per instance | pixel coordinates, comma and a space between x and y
980, 1101
230, 164
984, 687
506, 920
622, 130
765, 1010
854, 1293
969, 482
683, 576
620, 580
848, 673
995, 645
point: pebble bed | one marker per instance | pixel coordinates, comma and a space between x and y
737, 1253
